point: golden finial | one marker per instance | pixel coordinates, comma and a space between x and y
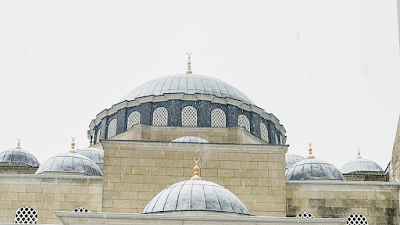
310, 151
359, 156
72, 145
196, 169
189, 70
18, 146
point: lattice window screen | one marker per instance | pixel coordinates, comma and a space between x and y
133, 119
189, 117
357, 219
98, 136
26, 214
305, 215
81, 209
112, 128
160, 117
218, 118
244, 122
264, 132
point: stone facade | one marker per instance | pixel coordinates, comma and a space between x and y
395, 164
136, 171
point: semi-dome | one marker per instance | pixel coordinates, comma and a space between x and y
313, 169
70, 163
18, 155
196, 195
361, 165
190, 139
291, 159
187, 84
95, 154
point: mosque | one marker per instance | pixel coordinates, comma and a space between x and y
138, 169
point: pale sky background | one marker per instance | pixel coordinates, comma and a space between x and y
328, 70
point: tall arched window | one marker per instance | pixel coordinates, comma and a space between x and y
243, 121
277, 140
264, 132
98, 136
189, 117
218, 118
112, 128
26, 214
133, 119
160, 117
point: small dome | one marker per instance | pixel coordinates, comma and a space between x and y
361, 165
313, 169
196, 195
70, 163
17, 155
292, 159
190, 139
95, 154
187, 84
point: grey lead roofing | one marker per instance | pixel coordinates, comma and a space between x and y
95, 154
361, 165
196, 195
70, 163
190, 139
16, 155
187, 84
313, 169
292, 159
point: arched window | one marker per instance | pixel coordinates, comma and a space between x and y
305, 215
133, 119
357, 219
244, 122
218, 118
189, 117
98, 136
80, 209
160, 117
112, 128
276, 139
264, 132
26, 214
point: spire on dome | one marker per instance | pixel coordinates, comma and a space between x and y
73, 145
18, 146
196, 169
359, 156
310, 151
189, 70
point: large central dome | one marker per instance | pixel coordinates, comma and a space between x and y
187, 84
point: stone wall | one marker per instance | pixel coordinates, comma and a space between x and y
378, 201
395, 171
136, 171
48, 193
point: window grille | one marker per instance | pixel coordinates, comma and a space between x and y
189, 117
133, 119
244, 122
218, 118
81, 209
112, 128
98, 136
305, 215
160, 117
264, 132
26, 214
357, 219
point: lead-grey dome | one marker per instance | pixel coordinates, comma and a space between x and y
70, 163
95, 154
190, 139
313, 169
292, 159
17, 155
196, 195
187, 84
361, 165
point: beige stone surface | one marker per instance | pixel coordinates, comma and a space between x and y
395, 173
48, 193
136, 171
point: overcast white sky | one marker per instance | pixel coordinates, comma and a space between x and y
328, 70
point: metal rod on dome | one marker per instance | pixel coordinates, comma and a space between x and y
189, 70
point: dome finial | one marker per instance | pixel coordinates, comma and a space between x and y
189, 70
72, 145
196, 169
18, 145
310, 151
359, 156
